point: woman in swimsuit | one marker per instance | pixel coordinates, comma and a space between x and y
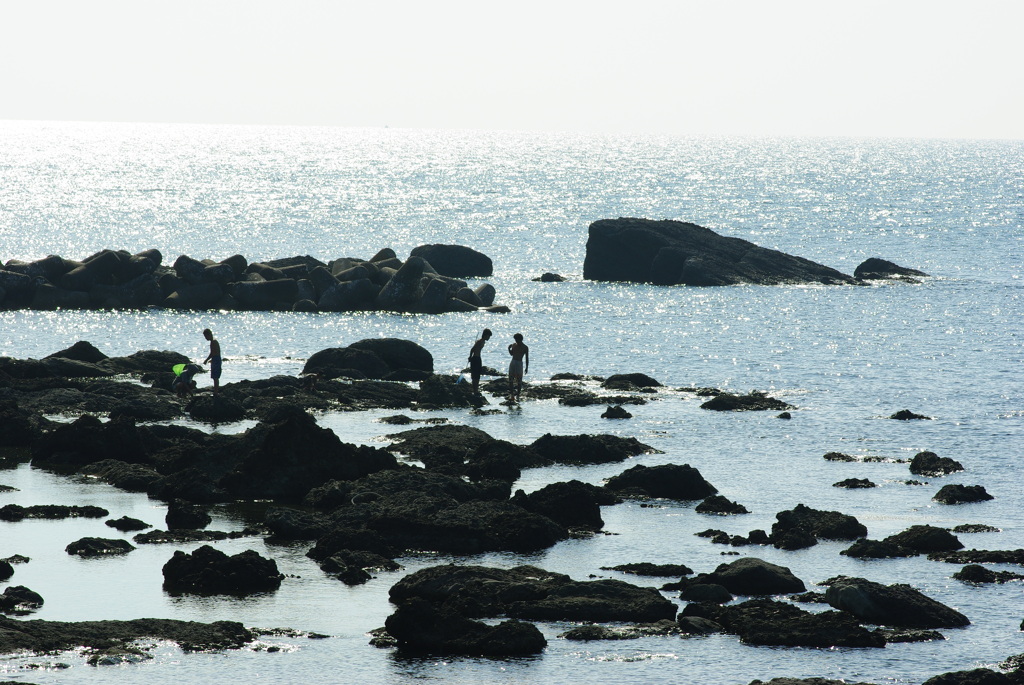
520, 354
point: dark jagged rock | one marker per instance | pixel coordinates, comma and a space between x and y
980, 556
292, 524
907, 415
531, 593
716, 504
697, 625
549, 277
673, 252
18, 600
87, 440
975, 573
797, 527
897, 635
16, 512
877, 549
145, 361
591, 631
711, 593
18, 428
838, 456
924, 539
751, 576
6, 570
98, 547
975, 528
82, 351
629, 381
376, 488
421, 626
892, 605
455, 260
182, 515
932, 465
874, 268
126, 524
420, 442
961, 494
51, 636
855, 484
501, 460
648, 569
573, 504
375, 358
210, 571
343, 560
132, 477
767, 622
588, 449
804, 681
671, 481
755, 401
283, 460
215, 409
186, 535
443, 392
476, 526
977, 676
616, 412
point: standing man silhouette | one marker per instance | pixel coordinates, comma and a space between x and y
214, 360
476, 364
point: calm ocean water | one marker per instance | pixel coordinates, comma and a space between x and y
951, 348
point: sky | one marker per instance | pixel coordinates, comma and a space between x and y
898, 68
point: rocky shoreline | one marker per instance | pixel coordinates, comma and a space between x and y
439, 487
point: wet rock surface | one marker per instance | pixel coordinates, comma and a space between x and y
208, 571
48, 636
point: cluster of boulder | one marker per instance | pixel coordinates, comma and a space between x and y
679, 253
429, 281
439, 609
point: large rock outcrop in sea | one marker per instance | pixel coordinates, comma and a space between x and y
115, 279
890, 605
678, 253
379, 358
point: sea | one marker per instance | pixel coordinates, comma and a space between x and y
950, 347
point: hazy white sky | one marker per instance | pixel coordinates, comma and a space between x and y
877, 68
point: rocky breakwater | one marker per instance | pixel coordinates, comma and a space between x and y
115, 279
678, 253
